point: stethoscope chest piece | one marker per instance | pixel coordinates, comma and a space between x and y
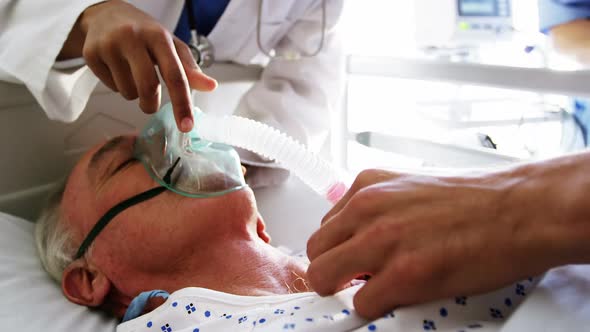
203, 51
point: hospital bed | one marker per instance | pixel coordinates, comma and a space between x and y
37, 152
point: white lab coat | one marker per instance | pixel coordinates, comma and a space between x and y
294, 96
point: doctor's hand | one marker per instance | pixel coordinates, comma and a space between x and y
422, 238
122, 45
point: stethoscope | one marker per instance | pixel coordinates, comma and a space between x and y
204, 52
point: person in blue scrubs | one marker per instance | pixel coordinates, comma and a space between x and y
567, 23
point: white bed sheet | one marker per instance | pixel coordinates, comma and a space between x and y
561, 302
29, 300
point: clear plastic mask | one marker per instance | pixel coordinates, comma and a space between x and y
204, 168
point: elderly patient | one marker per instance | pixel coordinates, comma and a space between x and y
213, 252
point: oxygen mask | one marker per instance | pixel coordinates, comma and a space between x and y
200, 168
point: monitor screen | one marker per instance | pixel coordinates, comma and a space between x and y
483, 7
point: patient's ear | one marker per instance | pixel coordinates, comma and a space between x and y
261, 230
85, 285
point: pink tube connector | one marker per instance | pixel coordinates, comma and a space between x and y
336, 191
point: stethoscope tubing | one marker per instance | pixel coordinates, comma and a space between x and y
205, 55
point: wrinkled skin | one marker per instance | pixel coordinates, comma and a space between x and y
423, 238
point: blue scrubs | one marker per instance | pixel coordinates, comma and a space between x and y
556, 12
206, 13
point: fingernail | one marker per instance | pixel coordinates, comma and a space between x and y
186, 125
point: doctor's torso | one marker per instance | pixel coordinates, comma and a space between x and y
234, 37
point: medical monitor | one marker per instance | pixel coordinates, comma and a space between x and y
483, 8
447, 23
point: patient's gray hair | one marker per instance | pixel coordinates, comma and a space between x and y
53, 240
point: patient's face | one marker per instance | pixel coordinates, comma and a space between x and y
150, 237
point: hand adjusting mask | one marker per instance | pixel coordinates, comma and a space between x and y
179, 162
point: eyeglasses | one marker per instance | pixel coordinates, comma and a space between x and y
114, 211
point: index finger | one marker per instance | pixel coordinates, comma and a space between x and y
172, 71
364, 179
341, 228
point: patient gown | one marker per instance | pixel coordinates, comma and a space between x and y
204, 310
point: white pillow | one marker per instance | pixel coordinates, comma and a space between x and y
30, 299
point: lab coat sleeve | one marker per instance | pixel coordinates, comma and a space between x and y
32, 33
298, 97
556, 12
